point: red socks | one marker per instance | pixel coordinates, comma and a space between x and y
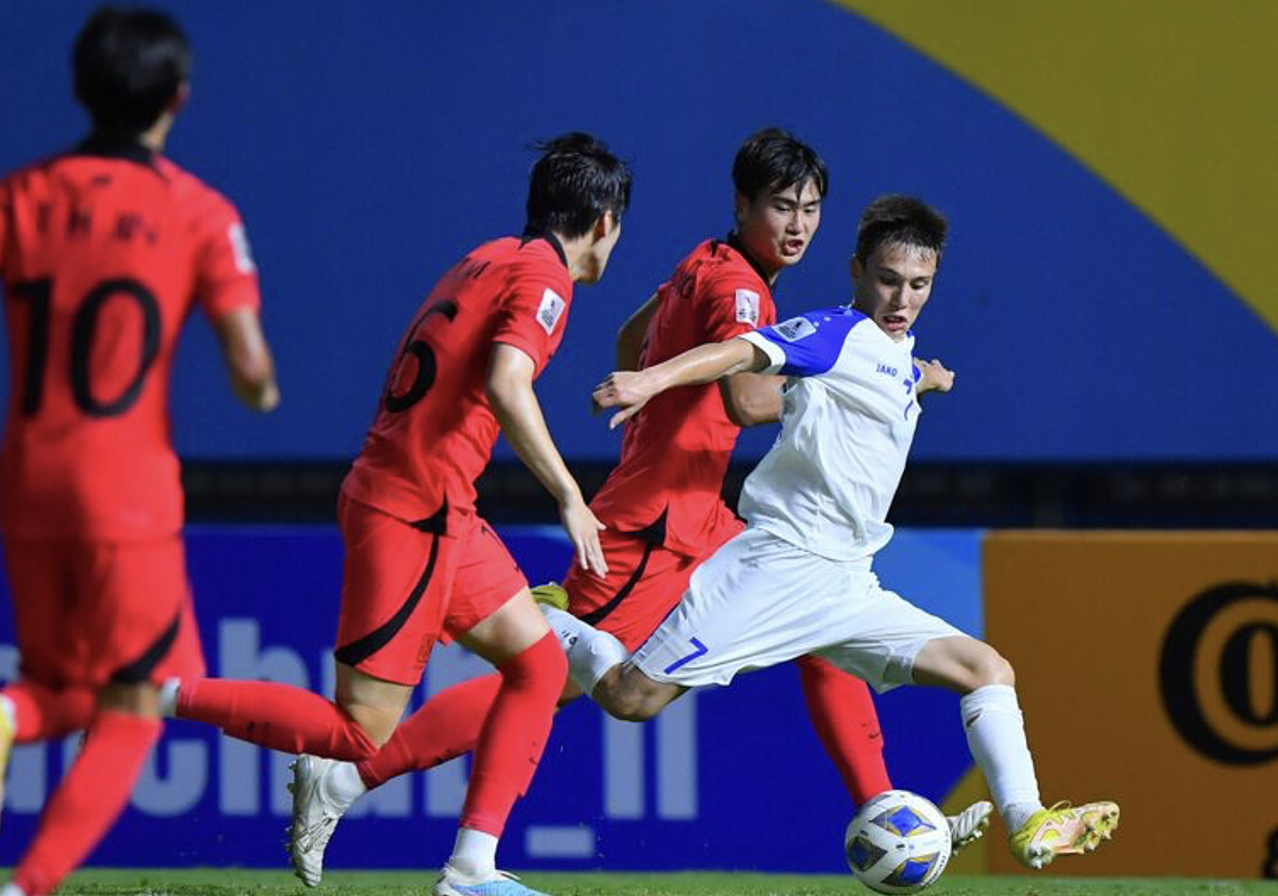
277, 716
45, 714
844, 717
514, 734
89, 799
446, 726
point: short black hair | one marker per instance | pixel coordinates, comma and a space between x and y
898, 220
773, 160
129, 65
574, 182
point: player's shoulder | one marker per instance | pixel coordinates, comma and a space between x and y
192, 191
833, 322
27, 175
534, 256
725, 266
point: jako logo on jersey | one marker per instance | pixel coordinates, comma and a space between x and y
550, 310
795, 328
883, 368
747, 307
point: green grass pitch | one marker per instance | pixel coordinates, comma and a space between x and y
233, 882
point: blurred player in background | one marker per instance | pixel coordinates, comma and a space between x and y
662, 503
421, 565
798, 579
104, 251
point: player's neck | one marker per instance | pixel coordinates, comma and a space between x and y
154, 137
582, 265
767, 273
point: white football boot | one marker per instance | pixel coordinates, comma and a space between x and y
968, 826
499, 883
316, 811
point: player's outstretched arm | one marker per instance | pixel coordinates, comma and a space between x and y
631, 335
933, 376
248, 359
510, 393
630, 390
751, 398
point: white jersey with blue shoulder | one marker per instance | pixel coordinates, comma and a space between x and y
848, 419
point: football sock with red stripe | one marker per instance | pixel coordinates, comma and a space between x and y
89, 799
843, 714
277, 716
41, 713
446, 726
514, 734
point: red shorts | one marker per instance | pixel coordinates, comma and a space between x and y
404, 588
643, 584
89, 614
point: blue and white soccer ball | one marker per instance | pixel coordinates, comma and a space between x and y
898, 843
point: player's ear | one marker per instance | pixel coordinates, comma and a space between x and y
857, 269
180, 96
604, 225
742, 206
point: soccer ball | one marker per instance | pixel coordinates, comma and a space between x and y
898, 843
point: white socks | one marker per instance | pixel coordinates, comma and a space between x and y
13, 890
591, 652
996, 736
343, 784
474, 853
168, 697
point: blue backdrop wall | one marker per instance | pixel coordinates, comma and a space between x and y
369, 147
708, 784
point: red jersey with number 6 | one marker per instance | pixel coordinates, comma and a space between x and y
103, 253
434, 430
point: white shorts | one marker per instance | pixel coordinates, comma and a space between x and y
760, 601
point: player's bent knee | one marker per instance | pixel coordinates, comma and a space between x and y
989, 667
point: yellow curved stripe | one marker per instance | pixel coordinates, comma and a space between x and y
1173, 102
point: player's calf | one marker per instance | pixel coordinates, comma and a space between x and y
597, 662
628, 694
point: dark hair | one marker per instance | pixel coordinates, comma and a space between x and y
900, 221
773, 160
128, 65
574, 182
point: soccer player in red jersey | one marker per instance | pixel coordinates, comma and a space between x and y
421, 565
104, 251
662, 503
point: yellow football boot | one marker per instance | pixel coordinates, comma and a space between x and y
552, 594
1063, 830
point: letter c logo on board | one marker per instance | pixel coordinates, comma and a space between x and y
1219, 672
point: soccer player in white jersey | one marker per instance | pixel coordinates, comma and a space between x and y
798, 580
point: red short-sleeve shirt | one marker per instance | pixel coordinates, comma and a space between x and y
103, 253
675, 452
434, 430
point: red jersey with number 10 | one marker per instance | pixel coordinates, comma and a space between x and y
675, 452
434, 430
103, 253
